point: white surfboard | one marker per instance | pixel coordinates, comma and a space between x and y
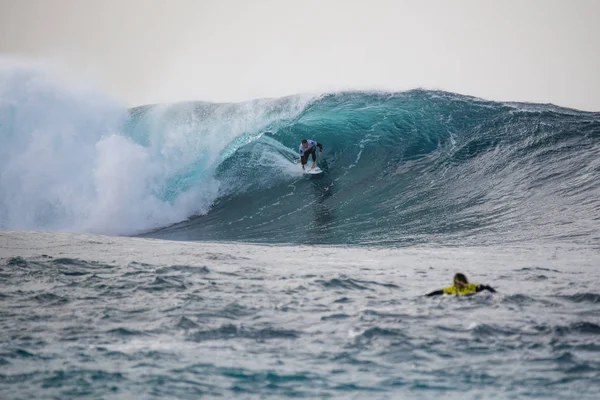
309, 170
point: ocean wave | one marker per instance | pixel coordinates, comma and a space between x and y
399, 168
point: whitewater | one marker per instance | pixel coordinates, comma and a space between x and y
177, 251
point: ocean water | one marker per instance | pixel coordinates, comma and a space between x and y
176, 250
88, 316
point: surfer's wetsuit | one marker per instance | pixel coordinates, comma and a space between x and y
310, 150
467, 290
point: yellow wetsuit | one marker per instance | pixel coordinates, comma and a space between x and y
468, 289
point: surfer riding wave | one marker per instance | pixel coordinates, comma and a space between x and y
307, 148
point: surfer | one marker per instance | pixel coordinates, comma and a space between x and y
462, 287
307, 148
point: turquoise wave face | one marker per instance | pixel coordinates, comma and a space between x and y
414, 167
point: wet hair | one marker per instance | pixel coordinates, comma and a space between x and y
304, 141
461, 278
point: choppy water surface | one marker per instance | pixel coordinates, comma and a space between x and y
98, 317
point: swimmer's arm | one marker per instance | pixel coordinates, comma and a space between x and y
436, 293
481, 288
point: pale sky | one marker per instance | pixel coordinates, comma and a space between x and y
149, 51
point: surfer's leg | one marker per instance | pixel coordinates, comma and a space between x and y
314, 157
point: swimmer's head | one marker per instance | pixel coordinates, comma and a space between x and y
460, 280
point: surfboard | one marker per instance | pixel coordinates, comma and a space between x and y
310, 171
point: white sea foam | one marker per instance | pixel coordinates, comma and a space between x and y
71, 159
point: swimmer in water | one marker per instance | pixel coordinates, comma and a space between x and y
462, 287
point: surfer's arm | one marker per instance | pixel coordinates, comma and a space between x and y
435, 293
481, 288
